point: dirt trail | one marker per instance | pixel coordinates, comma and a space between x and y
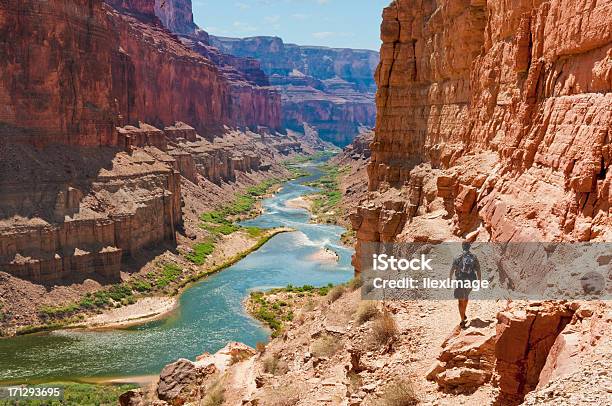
430, 323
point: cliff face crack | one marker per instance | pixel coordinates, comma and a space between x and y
524, 340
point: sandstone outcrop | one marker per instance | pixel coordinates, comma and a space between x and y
530, 346
183, 380
524, 339
330, 90
500, 109
71, 212
467, 359
96, 96
493, 120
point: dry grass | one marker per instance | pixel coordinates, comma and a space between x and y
336, 293
398, 393
384, 329
366, 311
275, 366
355, 381
260, 347
310, 305
325, 346
239, 357
215, 395
355, 283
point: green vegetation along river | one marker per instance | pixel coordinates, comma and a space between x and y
210, 314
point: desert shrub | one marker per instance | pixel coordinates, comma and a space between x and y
335, 294
200, 252
78, 394
270, 319
216, 217
215, 395
119, 292
58, 311
141, 285
355, 283
260, 347
325, 346
366, 311
225, 228
384, 329
274, 365
398, 393
254, 232
170, 273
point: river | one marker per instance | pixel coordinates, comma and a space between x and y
210, 313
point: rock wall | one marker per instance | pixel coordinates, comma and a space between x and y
176, 15
495, 114
252, 100
168, 81
329, 89
48, 98
85, 185
251, 103
69, 212
124, 67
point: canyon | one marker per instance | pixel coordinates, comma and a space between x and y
330, 90
493, 125
114, 137
122, 121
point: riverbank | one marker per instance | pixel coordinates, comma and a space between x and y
149, 294
210, 313
302, 202
146, 309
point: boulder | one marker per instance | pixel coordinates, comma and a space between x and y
182, 381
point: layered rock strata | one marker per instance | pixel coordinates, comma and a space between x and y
252, 102
494, 115
86, 210
85, 183
68, 213
124, 67
331, 90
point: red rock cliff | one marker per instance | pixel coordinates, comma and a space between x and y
497, 115
331, 90
77, 196
47, 97
73, 70
176, 15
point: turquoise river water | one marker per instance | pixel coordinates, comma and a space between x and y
210, 314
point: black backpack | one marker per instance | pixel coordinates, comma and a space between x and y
466, 267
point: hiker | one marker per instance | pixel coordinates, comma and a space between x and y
465, 267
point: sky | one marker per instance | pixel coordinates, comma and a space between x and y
333, 23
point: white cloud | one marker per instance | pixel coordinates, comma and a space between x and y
272, 19
324, 34
300, 16
244, 27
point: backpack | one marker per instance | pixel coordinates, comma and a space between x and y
467, 267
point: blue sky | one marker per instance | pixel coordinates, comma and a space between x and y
335, 23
